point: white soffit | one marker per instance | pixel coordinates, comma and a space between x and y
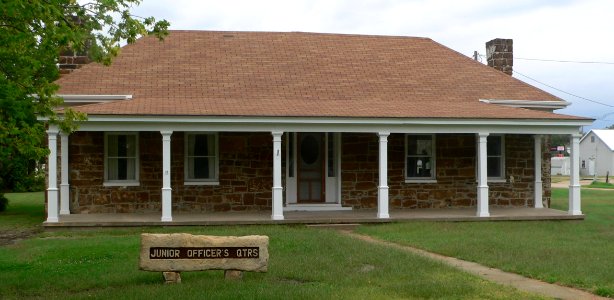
93, 98
529, 103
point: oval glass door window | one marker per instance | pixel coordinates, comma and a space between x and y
310, 149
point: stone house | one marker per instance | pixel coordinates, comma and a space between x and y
249, 121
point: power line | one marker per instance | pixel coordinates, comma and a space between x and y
562, 91
559, 60
567, 61
557, 89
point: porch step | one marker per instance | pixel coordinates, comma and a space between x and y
315, 207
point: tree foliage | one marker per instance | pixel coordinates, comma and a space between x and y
32, 34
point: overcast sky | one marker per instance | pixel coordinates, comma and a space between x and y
571, 30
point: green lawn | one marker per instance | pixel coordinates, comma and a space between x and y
23, 216
600, 185
305, 263
573, 253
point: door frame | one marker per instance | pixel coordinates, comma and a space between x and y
332, 188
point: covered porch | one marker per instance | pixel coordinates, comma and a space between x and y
168, 183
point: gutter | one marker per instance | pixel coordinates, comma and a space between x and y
529, 103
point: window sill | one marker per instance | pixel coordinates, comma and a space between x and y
201, 183
121, 183
495, 180
421, 180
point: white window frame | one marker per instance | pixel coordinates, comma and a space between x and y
433, 178
210, 181
502, 177
137, 165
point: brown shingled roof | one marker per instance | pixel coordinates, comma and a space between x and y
300, 74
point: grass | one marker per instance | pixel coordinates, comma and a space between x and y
573, 253
24, 214
305, 263
600, 185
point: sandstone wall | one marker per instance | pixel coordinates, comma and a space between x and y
245, 178
455, 171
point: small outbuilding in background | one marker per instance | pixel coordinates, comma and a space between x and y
597, 153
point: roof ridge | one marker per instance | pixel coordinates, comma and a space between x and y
301, 32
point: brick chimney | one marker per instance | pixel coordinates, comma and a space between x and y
70, 60
500, 55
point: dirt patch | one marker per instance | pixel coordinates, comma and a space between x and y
11, 237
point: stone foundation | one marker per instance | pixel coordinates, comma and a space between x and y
245, 174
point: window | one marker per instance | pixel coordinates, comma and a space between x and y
121, 159
201, 157
495, 157
420, 162
592, 138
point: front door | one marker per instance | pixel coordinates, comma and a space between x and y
310, 167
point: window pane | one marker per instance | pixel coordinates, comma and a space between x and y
200, 145
494, 167
130, 145
131, 168
420, 145
419, 166
493, 146
201, 168
122, 168
112, 169
112, 145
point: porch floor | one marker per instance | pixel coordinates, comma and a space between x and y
310, 217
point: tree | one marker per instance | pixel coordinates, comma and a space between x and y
610, 127
32, 34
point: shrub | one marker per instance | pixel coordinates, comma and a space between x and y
3, 203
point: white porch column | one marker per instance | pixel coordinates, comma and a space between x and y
166, 177
482, 176
52, 175
64, 186
574, 182
382, 188
538, 171
278, 200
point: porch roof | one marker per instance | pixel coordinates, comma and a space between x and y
295, 74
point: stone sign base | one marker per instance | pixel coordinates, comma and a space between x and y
171, 277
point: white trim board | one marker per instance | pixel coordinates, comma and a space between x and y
331, 127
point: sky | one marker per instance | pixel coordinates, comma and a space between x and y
562, 30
